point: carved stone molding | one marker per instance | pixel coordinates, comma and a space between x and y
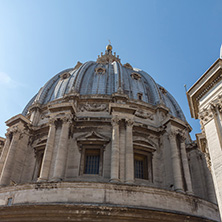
94, 107
209, 87
144, 115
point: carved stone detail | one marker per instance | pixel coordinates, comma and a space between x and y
129, 122
94, 107
115, 121
77, 65
108, 58
135, 76
206, 115
100, 70
67, 119
127, 65
163, 90
144, 115
65, 75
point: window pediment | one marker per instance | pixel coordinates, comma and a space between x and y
92, 138
144, 145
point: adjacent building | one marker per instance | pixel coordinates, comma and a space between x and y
205, 101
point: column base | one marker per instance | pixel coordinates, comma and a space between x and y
129, 181
41, 180
114, 180
189, 192
179, 191
56, 180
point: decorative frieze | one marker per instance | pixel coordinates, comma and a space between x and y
145, 115
206, 89
94, 107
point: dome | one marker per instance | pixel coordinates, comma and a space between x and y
107, 76
103, 142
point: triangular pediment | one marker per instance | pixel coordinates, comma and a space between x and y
93, 136
144, 144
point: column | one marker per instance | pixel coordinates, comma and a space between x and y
4, 151
209, 180
216, 114
177, 175
129, 152
10, 158
47, 158
186, 166
115, 151
60, 161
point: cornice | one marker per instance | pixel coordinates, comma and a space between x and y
203, 85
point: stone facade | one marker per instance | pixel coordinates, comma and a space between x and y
103, 156
205, 101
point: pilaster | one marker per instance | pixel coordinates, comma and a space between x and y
9, 161
46, 163
186, 165
177, 174
129, 152
115, 150
5, 150
60, 161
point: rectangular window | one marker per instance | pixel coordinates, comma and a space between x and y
92, 160
140, 166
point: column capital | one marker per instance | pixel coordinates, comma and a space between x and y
182, 135
171, 134
15, 130
67, 118
129, 122
52, 121
115, 121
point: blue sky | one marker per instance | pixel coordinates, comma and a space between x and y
175, 41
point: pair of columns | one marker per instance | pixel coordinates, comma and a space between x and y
115, 152
61, 155
181, 172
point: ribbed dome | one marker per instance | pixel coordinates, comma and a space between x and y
106, 78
